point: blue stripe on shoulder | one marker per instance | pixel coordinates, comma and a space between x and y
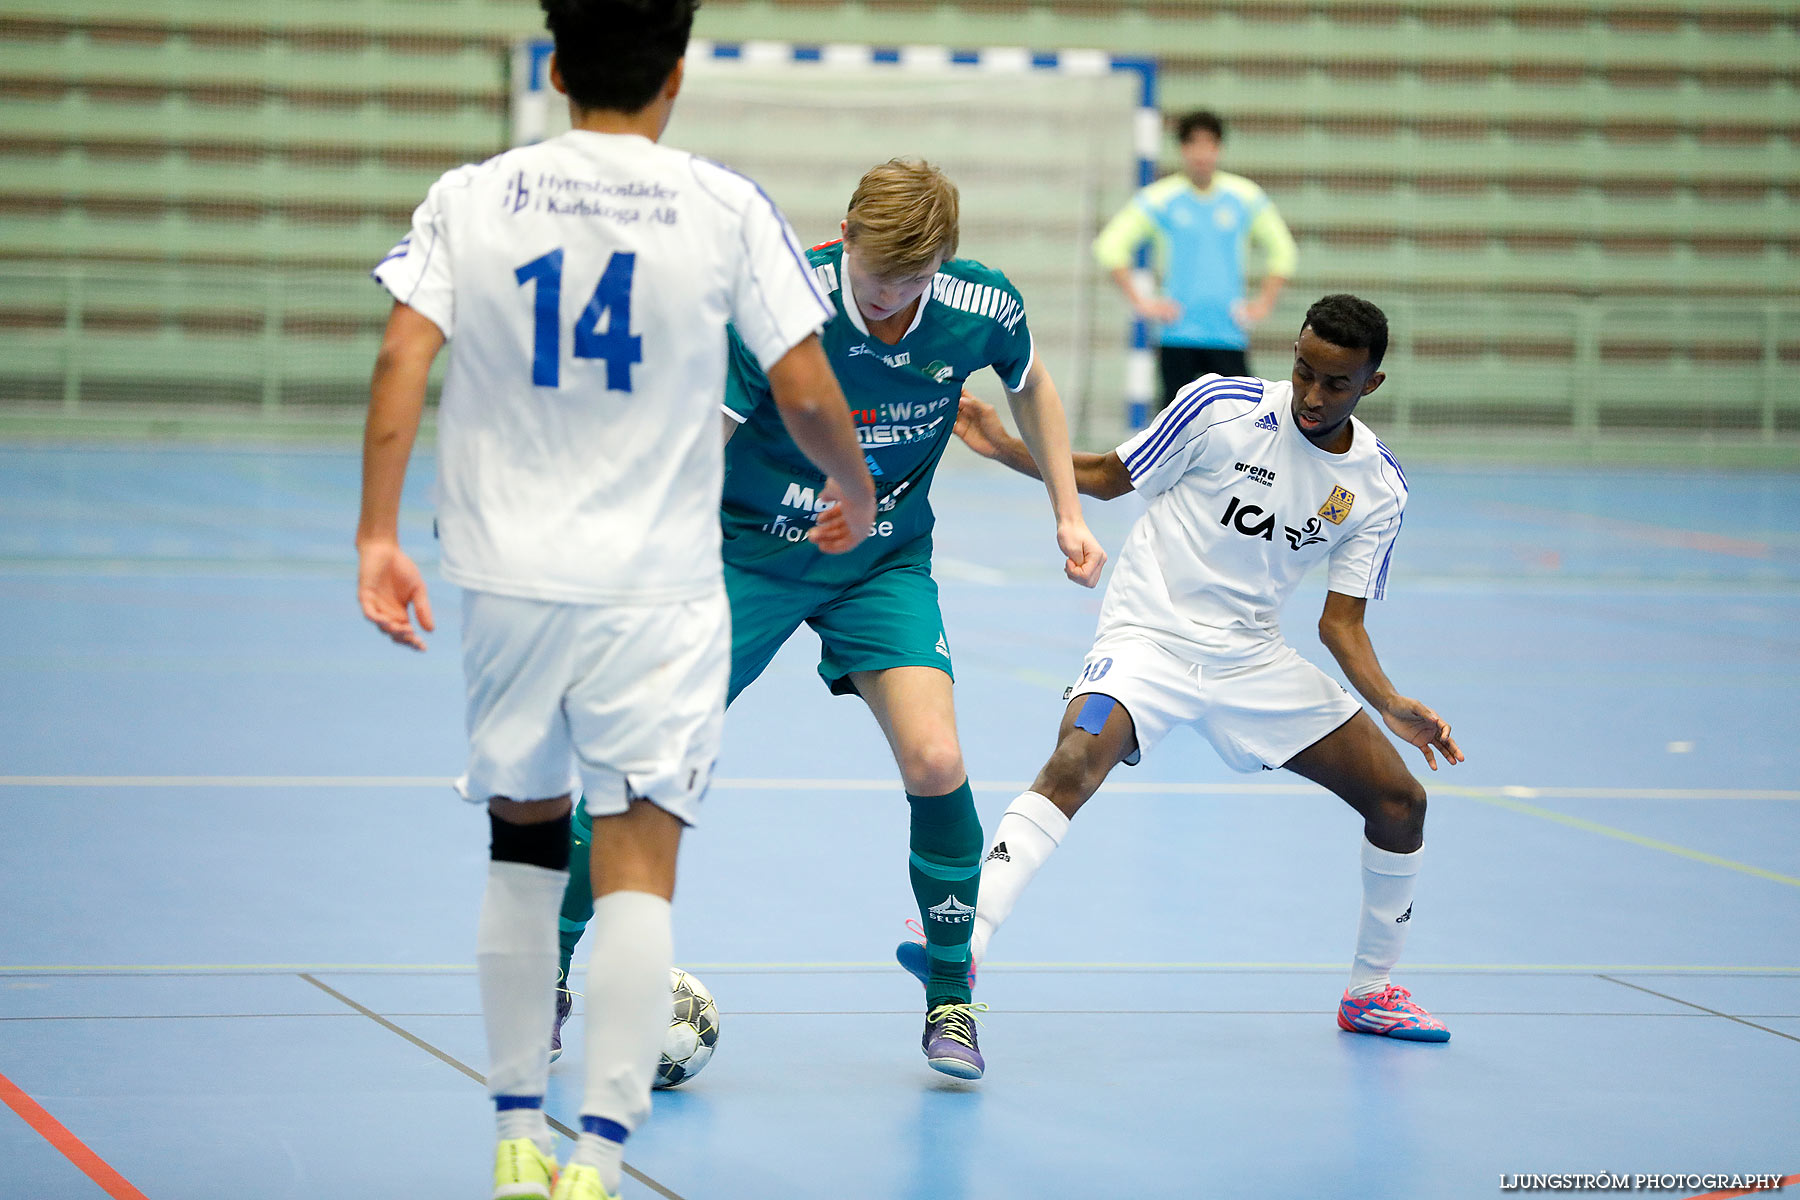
799, 258
1199, 392
1392, 462
1186, 407
1387, 559
1190, 406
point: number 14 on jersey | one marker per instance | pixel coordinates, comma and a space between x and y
617, 346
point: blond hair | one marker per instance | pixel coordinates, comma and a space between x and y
902, 217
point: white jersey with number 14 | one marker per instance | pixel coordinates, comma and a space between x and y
585, 284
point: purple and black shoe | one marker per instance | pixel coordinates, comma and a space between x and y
565, 1004
949, 1040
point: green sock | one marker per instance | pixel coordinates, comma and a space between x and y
578, 896
946, 871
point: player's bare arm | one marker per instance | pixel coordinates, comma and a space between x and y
978, 424
1251, 313
1150, 307
388, 583
813, 409
1038, 409
1342, 631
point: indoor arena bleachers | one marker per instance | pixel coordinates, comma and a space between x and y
1582, 214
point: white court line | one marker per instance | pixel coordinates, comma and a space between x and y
885, 966
1125, 787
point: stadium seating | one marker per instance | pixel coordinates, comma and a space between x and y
1581, 213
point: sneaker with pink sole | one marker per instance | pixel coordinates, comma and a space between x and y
1390, 1012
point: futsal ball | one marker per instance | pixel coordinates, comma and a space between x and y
693, 1030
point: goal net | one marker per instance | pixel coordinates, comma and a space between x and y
1043, 148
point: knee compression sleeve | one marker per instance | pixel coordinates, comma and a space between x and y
545, 844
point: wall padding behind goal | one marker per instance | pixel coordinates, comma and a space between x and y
1581, 212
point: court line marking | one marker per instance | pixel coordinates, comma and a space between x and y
1121, 787
70, 1146
1509, 797
887, 966
1689, 1003
902, 1012
1636, 839
472, 1073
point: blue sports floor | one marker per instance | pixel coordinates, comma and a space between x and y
239, 900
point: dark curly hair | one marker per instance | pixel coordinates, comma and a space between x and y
1350, 322
616, 54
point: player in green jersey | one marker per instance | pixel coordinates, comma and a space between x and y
913, 323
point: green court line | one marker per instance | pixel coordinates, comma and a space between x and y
1623, 835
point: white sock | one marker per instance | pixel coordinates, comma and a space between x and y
603, 1154
1029, 830
526, 1123
515, 958
627, 1016
1386, 913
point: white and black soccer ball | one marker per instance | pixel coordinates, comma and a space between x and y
693, 1030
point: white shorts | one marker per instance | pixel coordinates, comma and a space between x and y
616, 702
1256, 717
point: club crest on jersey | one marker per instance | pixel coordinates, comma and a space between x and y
1337, 507
939, 371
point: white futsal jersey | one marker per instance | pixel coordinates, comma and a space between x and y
585, 284
1241, 504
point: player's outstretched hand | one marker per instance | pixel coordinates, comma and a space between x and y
1421, 727
978, 424
1160, 309
1248, 314
1082, 549
842, 527
388, 583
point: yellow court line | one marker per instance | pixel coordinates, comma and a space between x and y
887, 964
226, 781
1508, 797
1625, 836
224, 968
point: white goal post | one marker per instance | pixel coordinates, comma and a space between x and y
1043, 146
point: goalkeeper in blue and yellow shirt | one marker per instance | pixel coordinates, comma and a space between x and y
1201, 224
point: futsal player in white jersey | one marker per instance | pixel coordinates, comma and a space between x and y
1249, 483
584, 285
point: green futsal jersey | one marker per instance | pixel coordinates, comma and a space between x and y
903, 399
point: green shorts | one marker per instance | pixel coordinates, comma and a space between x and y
887, 619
